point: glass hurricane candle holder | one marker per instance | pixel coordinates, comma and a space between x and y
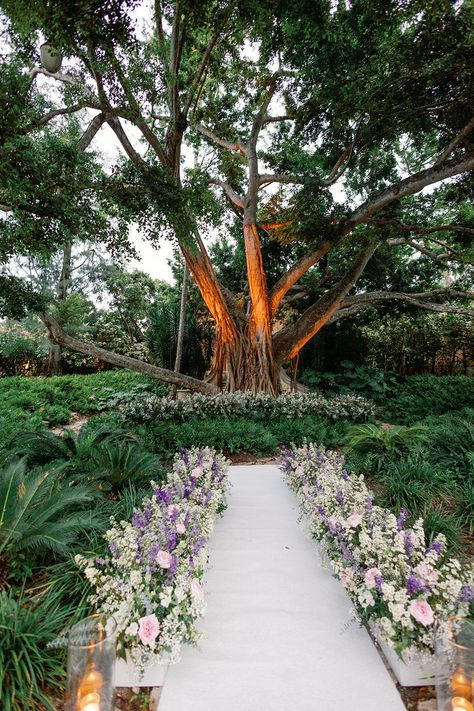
90, 664
455, 666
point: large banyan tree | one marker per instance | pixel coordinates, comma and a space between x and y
342, 129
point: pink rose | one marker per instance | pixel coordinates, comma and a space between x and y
354, 520
148, 629
196, 472
427, 573
180, 528
369, 577
196, 589
163, 559
422, 612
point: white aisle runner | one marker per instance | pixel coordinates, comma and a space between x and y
278, 636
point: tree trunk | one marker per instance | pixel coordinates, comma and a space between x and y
53, 363
182, 316
246, 364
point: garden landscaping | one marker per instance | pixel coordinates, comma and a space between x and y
63, 557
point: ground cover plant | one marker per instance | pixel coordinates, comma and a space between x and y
41, 403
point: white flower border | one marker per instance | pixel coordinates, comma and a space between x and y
143, 408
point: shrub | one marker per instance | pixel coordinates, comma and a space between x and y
395, 439
260, 407
419, 396
37, 513
465, 505
36, 403
437, 520
110, 456
27, 664
413, 481
232, 436
451, 442
116, 464
353, 378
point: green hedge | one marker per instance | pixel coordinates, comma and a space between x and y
233, 435
418, 396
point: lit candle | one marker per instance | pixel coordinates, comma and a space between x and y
90, 702
90, 682
460, 684
461, 704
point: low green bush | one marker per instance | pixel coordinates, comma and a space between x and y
38, 512
418, 396
396, 439
451, 440
44, 402
233, 435
352, 379
111, 457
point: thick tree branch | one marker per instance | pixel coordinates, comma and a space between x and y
59, 336
352, 305
66, 79
455, 142
88, 135
134, 156
409, 186
283, 285
276, 119
52, 114
288, 342
234, 197
422, 230
230, 145
266, 179
203, 64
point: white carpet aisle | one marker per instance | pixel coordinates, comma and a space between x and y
277, 632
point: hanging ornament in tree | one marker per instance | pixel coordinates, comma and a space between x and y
51, 58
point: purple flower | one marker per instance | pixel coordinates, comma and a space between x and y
379, 581
435, 546
100, 561
401, 520
414, 585
321, 510
184, 455
141, 519
173, 566
340, 497
163, 495
466, 594
408, 543
345, 474
198, 545
172, 540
